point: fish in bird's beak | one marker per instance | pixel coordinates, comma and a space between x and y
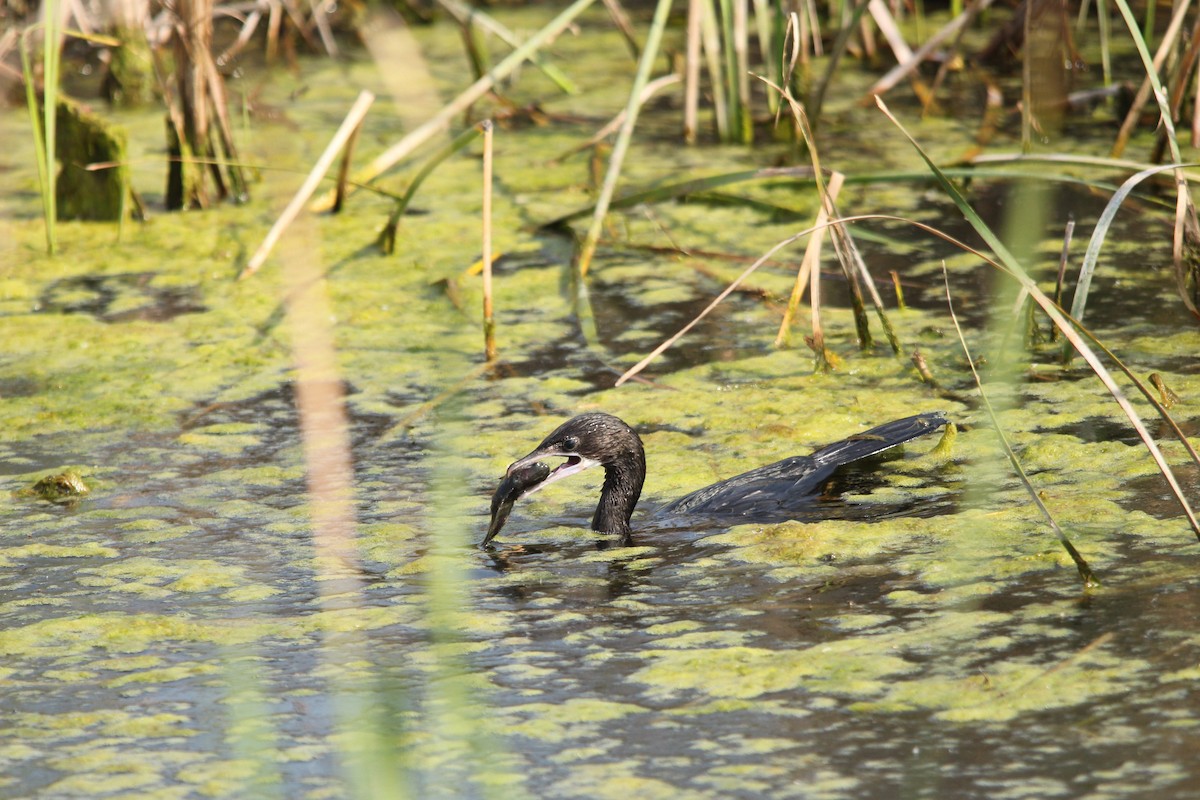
516, 483
526, 476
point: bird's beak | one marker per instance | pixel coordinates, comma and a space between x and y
525, 476
573, 465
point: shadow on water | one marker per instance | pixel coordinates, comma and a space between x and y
120, 298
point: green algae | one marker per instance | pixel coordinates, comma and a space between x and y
9, 555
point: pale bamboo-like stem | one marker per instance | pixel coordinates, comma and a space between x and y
489, 322
814, 301
890, 30
652, 88
441, 120
339, 140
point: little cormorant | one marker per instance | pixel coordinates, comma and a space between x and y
774, 492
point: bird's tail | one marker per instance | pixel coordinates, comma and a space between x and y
876, 440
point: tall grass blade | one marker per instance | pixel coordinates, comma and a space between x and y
1092, 255
45, 164
387, 237
741, 47
51, 60
467, 15
675, 191
1011, 265
625, 136
440, 121
835, 55
732, 79
767, 21
1152, 66
1085, 572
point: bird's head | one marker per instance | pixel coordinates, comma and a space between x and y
584, 441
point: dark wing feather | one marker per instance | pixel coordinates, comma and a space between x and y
791, 485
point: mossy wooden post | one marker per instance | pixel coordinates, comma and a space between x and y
82, 139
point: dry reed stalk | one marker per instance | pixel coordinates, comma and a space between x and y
898, 289
890, 30
489, 322
339, 140
1059, 282
652, 88
711, 41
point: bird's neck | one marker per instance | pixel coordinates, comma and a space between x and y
623, 481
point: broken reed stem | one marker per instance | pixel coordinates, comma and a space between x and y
906, 67
489, 322
344, 168
339, 140
817, 341
324, 427
811, 262
641, 365
1068, 234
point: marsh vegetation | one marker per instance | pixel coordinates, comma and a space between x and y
746, 228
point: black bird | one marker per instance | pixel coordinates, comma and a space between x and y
775, 492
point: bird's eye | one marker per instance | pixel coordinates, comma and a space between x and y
570, 443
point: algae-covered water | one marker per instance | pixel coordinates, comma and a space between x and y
183, 629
